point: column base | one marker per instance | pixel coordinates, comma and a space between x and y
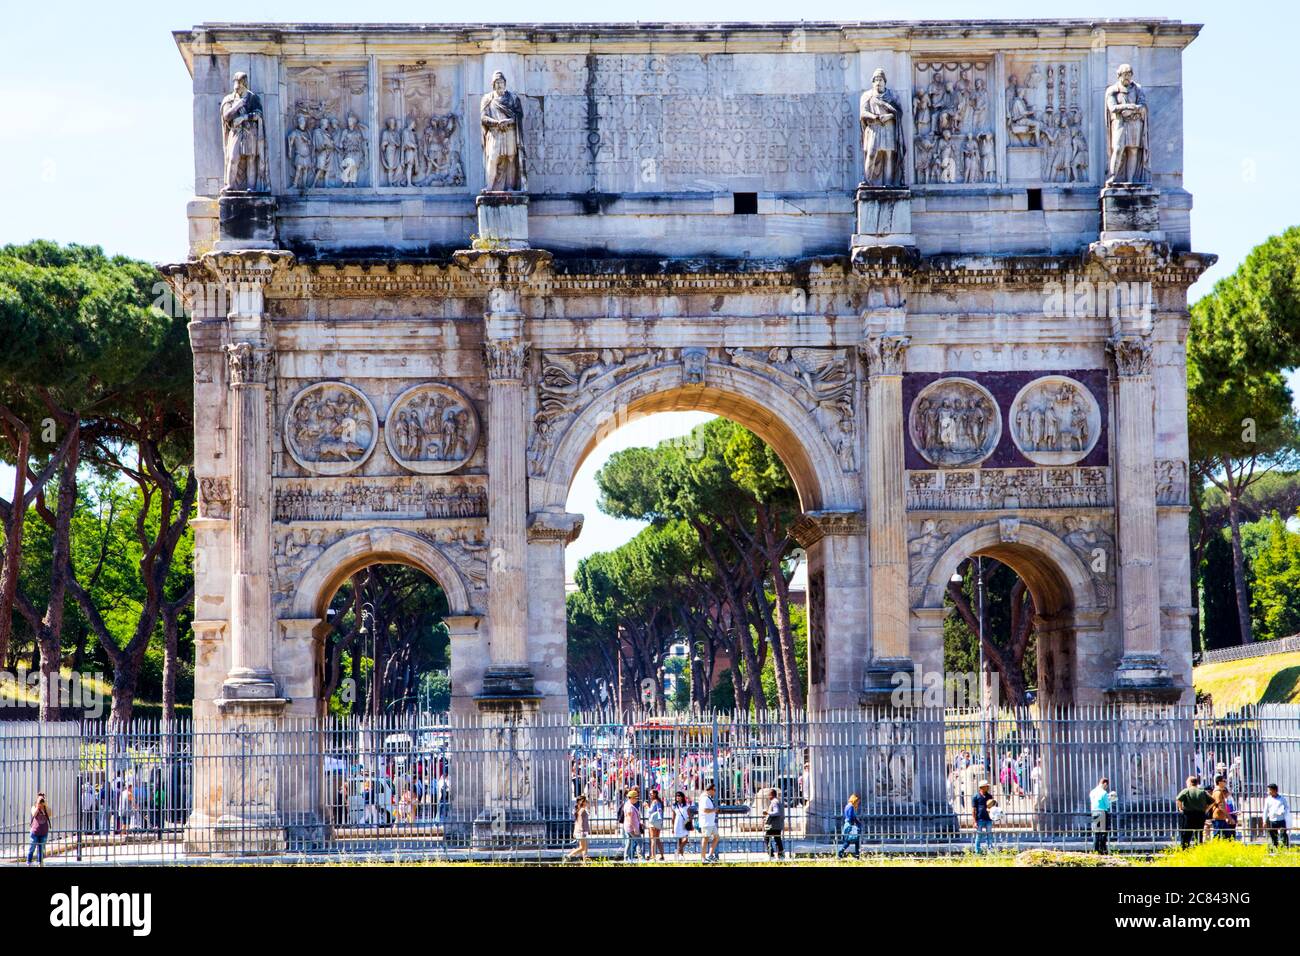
502, 221
887, 683
1143, 679
508, 830
246, 221
508, 683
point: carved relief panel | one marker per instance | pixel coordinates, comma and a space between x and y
328, 143
954, 422
953, 135
1055, 421
431, 429
330, 428
1047, 120
422, 141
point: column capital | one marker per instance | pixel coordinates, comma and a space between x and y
812, 526
248, 364
1131, 353
885, 354
505, 359
558, 526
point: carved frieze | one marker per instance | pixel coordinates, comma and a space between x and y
330, 428
952, 123
954, 422
431, 429
822, 379
343, 500
1055, 420
1046, 121
214, 497
326, 105
421, 143
996, 488
1171, 481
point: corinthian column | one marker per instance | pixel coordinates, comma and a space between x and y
1142, 666
887, 509
250, 675
505, 353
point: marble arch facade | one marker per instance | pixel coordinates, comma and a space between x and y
393, 363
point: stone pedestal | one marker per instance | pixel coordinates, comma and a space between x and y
502, 220
1130, 211
246, 221
884, 218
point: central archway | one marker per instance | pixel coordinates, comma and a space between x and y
820, 448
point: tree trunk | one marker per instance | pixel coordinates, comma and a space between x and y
51, 629
171, 663
13, 536
1238, 559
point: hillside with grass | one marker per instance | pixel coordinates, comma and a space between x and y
1256, 680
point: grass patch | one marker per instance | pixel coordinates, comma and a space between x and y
1256, 680
1227, 853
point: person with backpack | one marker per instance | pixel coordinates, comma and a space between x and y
631, 820
773, 825
851, 831
682, 823
980, 806
1192, 802
40, 830
1222, 818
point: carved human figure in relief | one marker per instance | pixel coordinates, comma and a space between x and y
1022, 118
243, 139
410, 152
300, 155
322, 145
1126, 115
390, 151
352, 147
1078, 151
881, 114
502, 121
442, 162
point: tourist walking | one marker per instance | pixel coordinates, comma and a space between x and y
980, 805
851, 831
581, 829
89, 803
682, 824
1101, 801
655, 824
1192, 802
773, 825
709, 825
39, 831
1276, 816
632, 826
1222, 820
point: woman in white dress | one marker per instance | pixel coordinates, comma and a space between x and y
681, 823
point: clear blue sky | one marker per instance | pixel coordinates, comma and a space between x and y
95, 144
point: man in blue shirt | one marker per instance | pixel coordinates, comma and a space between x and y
980, 805
1101, 801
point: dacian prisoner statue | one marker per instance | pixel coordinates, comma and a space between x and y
1126, 115
882, 142
244, 139
502, 118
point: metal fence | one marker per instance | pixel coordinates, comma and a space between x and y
1281, 645
504, 785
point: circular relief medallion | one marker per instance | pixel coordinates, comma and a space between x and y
431, 429
1055, 421
331, 428
954, 423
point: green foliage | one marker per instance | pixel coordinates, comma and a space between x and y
1218, 594
1227, 853
1275, 596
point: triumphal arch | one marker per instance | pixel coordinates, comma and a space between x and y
940, 267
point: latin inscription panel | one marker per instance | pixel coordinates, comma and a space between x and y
674, 122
